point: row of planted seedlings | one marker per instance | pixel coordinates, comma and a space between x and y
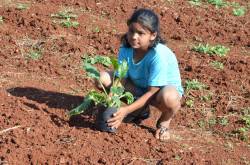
204, 96
237, 9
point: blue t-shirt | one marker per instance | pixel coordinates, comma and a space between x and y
159, 67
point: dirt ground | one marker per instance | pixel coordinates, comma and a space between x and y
41, 79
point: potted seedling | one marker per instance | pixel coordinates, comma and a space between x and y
109, 99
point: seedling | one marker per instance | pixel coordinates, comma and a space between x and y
223, 121
96, 29
217, 65
34, 54
207, 97
239, 11
194, 85
65, 14
219, 50
190, 103
68, 23
212, 121
21, 6
217, 3
195, 2
111, 98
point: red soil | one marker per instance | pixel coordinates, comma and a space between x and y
37, 94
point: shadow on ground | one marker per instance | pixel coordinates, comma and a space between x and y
55, 100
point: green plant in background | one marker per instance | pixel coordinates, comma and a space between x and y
223, 121
243, 131
217, 3
68, 23
239, 11
96, 29
105, 98
189, 103
219, 50
22, 6
64, 14
106, 61
194, 85
1, 19
195, 2
217, 65
212, 121
34, 54
207, 97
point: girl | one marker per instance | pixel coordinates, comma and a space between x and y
153, 75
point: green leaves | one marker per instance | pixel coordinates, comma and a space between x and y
117, 91
92, 72
219, 50
81, 108
106, 61
129, 96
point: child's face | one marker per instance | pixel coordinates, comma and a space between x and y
140, 37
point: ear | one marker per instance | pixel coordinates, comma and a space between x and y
153, 36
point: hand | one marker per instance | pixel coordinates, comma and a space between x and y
117, 118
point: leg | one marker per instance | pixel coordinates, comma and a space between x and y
168, 102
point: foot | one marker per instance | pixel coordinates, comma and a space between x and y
162, 133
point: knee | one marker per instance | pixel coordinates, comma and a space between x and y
170, 99
105, 78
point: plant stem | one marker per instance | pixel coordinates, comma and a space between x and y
103, 88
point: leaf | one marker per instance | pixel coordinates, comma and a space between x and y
116, 102
129, 96
106, 61
81, 108
91, 71
98, 98
115, 63
122, 69
117, 90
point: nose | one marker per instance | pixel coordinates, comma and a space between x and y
135, 35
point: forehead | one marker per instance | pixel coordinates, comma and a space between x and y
138, 27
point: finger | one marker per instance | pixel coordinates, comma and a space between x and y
113, 124
116, 124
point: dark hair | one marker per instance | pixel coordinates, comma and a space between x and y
148, 19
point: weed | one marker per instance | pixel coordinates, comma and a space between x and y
217, 3
194, 85
1, 19
68, 23
223, 121
201, 124
64, 14
217, 65
207, 97
96, 29
190, 103
195, 2
219, 50
21, 6
177, 157
239, 11
34, 54
212, 121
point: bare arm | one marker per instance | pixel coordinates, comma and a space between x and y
117, 118
143, 100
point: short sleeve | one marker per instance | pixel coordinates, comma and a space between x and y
122, 55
